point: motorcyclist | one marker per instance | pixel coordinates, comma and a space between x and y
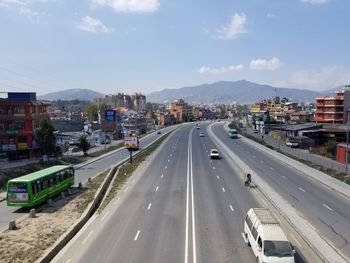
248, 181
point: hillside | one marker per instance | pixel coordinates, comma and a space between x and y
229, 91
72, 94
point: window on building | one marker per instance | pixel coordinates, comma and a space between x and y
33, 109
11, 141
22, 139
18, 110
19, 124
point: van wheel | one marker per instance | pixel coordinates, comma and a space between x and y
246, 237
257, 259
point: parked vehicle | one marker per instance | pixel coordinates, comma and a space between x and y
292, 144
35, 188
233, 133
266, 237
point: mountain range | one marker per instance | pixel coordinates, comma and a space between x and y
72, 94
218, 92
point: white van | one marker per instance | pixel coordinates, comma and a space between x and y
266, 237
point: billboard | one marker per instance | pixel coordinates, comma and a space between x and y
110, 115
131, 142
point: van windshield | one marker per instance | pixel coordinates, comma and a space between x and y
277, 249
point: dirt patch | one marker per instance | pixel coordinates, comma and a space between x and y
35, 235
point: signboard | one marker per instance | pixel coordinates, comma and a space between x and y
131, 142
12, 132
110, 115
9, 147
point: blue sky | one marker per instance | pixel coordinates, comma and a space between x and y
149, 45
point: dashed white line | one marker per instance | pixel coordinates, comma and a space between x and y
104, 216
261, 161
284, 177
149, 206
165, 167
137, 235
223, 189
116, 201
231, 208
217, 177
133, 180
69, 260
126, 189
253, 156
168, 160
326, 206
162, 176
301, 189
88, 236
214, 167
157, 188
271, 168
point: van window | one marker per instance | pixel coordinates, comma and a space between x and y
249, 222
254, 233
277, 249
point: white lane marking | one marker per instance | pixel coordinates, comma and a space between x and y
116, 201
223, 189
168, 160
301, 189
295, 240
157, 188
137, 235
104, 216
187, 201
264, 202
162, 176
126, 189
271, 168
171, 155
149, 206
326, 206
194, 247
133, 180
231, 208
261, 161
166, 167
214, 167
211, 160
87, 237
69, 260
253, 156
284, 177
217, 177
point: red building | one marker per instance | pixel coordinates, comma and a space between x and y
330, 109
20, 115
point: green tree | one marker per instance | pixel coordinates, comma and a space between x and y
92, 112
84, 145
45, 137
331, 147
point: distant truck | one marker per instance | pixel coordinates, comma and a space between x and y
264, 234
233, 133
131, 142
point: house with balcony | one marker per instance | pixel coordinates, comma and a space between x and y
20, 115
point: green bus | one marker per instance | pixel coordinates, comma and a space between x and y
35, 188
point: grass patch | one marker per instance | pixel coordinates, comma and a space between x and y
126, 170
89, 190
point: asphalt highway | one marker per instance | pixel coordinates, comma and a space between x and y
181, 206
8, 213
326, 211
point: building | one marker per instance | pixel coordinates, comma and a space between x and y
134, 123
20, 115
136, 102
181, 111
139, 102
333, 109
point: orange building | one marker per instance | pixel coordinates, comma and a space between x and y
330, 109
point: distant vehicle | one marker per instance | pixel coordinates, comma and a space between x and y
214, 154
292, 144
201, 134
233, 133
198, 127
265, 236
159, 132
35, 188
256, 131
74, 141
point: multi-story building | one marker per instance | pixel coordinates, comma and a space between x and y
333, 109
181, 110
20, 115
136, 102
139, 102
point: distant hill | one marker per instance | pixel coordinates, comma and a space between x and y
72, 94
229, 91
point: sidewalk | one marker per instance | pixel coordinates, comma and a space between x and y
300, 153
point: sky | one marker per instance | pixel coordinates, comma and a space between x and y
148, 45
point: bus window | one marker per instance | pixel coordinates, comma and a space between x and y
52, 183
34, 188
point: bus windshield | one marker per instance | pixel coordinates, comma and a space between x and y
17, 192
277, 249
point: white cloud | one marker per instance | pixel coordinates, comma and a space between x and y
128, 6
205, 69
316, 1
23, 6
326, 77
264, 64
234, 28
93, 25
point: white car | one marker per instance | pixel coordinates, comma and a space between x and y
292, 144
214, 154
201, 134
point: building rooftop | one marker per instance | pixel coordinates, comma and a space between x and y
303, 126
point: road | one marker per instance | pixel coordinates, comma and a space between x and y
8, 213
327, 211
179, 207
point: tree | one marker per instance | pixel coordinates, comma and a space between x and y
331, 147
45, 137
92, 112
84, 145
